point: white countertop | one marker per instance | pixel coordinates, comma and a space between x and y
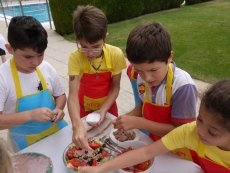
54, 145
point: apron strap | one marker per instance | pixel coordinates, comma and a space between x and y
133, 73
168, 87
107, 58
17, 83
147, 93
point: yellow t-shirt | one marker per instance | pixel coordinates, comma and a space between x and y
112, 60
186, 136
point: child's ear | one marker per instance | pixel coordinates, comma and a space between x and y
9, 48
107, 34
171, 57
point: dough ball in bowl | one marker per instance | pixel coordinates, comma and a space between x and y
143, 167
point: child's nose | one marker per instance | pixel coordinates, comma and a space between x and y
36, 61
148, 78
202, 131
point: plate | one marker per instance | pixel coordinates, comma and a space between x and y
134, 131
27, 162
73, 156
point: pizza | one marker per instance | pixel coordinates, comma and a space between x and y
75, 157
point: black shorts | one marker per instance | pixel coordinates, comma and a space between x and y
2, 52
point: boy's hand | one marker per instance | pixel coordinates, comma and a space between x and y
59, 115
42, 114
126, 122
80, 137
103, 114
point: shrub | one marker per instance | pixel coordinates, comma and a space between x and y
115, 10
191, 2
118, 10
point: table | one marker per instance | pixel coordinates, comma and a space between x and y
53, 146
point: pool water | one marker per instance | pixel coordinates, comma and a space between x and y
38, 11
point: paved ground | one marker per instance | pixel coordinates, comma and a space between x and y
57, 54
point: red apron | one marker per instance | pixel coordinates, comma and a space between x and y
207, 165
162, 113
93, 91
159, 113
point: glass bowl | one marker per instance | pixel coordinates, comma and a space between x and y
144, 167
73, 156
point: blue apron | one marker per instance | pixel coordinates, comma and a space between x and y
28, 133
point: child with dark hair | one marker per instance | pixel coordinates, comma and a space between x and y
94, 70
167, 94
208, 138
32, 97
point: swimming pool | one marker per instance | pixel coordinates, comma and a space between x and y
38, 11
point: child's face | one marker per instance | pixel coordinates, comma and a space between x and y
211, 131
91, 50
152, 73
27, 59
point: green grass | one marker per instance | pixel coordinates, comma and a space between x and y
200, 35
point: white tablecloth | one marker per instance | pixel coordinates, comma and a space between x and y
54, 146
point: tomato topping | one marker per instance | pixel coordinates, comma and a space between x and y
94, 145
71, 153
143, 166
94, 162
74, 163
105, 153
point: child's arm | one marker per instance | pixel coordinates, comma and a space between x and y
40, 115
79, 132
60, 103
127, 159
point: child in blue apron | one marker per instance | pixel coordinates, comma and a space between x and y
167, 94
208, 138
32, 96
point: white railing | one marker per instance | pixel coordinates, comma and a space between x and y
36, 8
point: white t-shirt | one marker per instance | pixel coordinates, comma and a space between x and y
184, 94
29, 83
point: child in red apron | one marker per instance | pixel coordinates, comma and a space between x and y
167, 94
94, 70
208, 138
32, 97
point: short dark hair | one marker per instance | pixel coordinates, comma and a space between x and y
27, 32
89, 23
217, 101
148, 43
